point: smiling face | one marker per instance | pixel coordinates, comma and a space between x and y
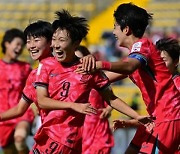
14, 48
168, 61
63, 47
38, 47
119, 34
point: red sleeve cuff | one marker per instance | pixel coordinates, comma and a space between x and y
106, 65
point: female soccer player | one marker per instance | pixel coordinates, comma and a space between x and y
61, 131
12, 80
147, 70
38, 40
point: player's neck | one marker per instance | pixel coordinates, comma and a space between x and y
8, 59
130, 41
72, 62
46, 56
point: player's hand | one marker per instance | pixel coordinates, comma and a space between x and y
88, 64
144, 119
124, 123
150, 126
81, 70
84, 108
148, 122
105, 112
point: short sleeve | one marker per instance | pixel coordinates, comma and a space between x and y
141, 50
42, 76
99, 81
29, 91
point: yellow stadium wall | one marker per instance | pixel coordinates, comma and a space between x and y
126, 92
104, 21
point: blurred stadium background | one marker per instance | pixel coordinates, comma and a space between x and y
166, 22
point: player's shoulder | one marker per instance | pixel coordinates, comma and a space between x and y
32, 76
48, 64
25, 66
143, 44
23, 63
2, 63
33, 72
176, 77
49, 61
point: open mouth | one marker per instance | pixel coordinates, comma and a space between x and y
59, 54
115, 37
34, 52
16, 52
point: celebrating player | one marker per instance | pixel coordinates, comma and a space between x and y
147, 70
38, 36
61, 130
170, 52
97, 136
13, 76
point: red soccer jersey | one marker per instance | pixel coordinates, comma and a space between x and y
13, 77
176, 80
65, 126
155, 83
29, 92
12, 80
96, 133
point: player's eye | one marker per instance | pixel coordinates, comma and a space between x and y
28, 41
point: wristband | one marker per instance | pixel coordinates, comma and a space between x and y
106, 65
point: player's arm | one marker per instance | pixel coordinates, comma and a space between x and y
106, 112
124, 66
121, 106
114, 76
45, 102
16, 111
125, 123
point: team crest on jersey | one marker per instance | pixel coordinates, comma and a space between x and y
136, 47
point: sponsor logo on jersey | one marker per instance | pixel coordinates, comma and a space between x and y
53, 74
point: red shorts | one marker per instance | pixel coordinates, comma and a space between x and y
6, 134
7, 127
52, 147
165, 138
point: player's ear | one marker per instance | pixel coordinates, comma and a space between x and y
176, 62
6, 44
127, 30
